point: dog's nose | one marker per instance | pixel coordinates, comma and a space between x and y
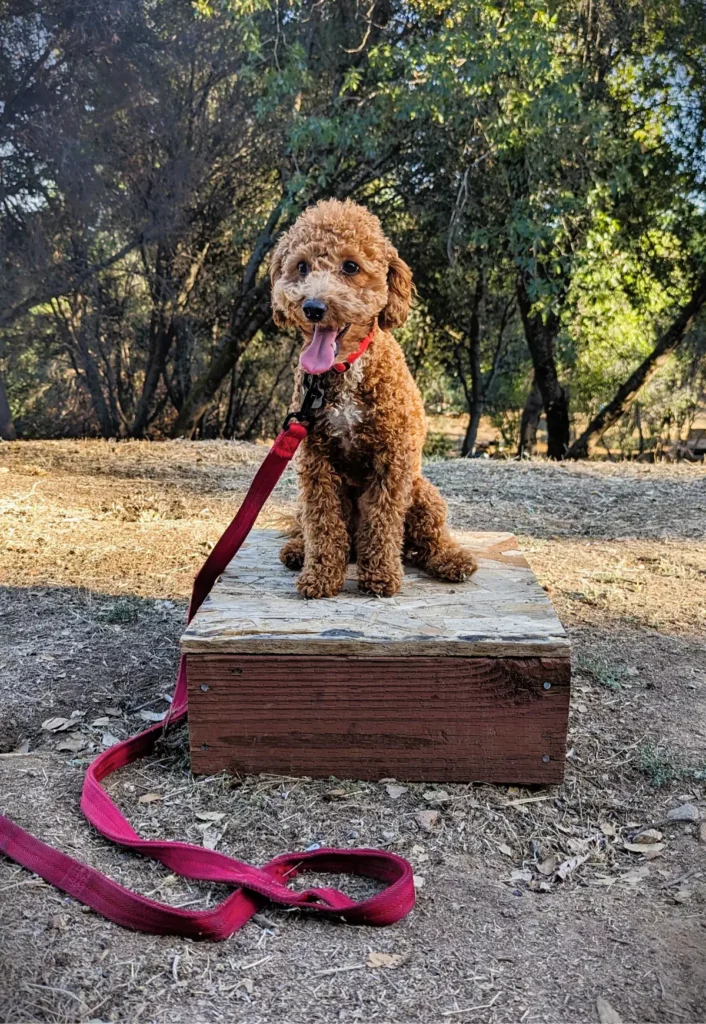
314, 310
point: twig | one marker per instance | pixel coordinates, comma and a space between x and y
525, 800
249, 967
472, 1009
338, 970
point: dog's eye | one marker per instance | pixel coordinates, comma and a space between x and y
303, 267
350, 268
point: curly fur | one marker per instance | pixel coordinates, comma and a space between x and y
362, 494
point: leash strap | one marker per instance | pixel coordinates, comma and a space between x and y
253, 885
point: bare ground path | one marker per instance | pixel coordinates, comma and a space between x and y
100, 543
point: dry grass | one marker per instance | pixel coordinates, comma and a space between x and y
101, 543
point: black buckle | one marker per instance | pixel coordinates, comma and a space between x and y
312, 399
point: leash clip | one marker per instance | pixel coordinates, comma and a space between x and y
313, 398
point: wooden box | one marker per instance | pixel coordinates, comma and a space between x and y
444, 682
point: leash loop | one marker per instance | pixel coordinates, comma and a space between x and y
253, 886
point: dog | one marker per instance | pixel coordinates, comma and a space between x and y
338, 280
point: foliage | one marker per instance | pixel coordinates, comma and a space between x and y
540, 165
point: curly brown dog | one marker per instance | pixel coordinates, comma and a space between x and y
362, 494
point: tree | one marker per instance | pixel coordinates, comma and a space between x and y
539, 165
668, 342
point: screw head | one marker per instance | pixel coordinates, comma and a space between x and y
546, 758
547, 686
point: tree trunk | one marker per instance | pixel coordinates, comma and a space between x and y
531, 415
7, 427
204, 390
625, 394
92, 380
477, 394
161, 338
74, 327
469, 441
541, 337
251, 313
161, 334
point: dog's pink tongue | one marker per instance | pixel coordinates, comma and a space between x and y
320, 355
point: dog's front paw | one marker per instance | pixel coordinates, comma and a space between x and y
316, 583
291, 554
380, 582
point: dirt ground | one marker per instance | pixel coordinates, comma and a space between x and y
100, 544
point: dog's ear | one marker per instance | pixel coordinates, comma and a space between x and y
399, 293
276, 263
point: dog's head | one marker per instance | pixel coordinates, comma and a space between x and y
334, 274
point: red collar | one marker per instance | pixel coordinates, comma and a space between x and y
342, 367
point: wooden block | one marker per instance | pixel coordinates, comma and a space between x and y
444, 682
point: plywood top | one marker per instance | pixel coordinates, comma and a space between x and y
500, 612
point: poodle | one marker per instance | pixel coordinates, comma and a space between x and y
337, 278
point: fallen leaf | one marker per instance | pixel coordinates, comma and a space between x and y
437, 797
644, 847
389, 960
153, 716
149, 798
108, 740
702, 832
99, 723
683, 896
636, 875
211, 839
57, 724
504, 848
548, 865
521, 875
685, 812
602, 880
113, 712
335, 794
428, 819
248, 984
73, 743
608, 828
60, 922
210, 815
650, 835
606, 1013
567, 867
419, 881
395, 792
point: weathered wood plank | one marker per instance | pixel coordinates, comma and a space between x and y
445, 720
500, 612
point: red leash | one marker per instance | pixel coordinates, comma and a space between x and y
253, 885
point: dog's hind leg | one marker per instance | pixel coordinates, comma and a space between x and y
427, 541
